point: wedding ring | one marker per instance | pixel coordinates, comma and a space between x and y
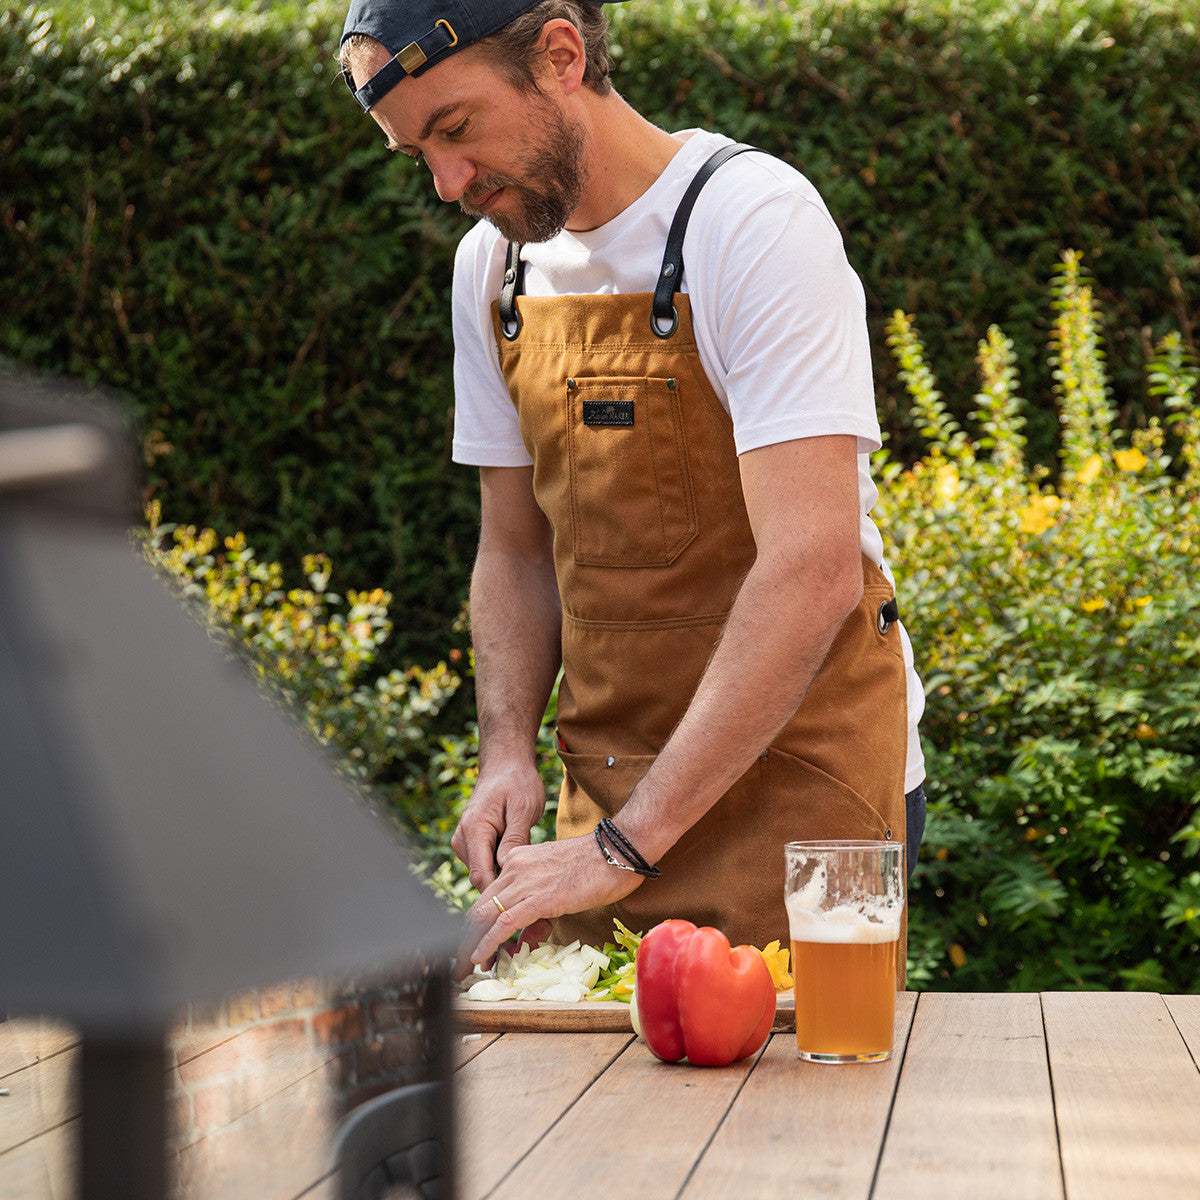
496, 902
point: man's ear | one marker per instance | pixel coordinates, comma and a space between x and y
565, 54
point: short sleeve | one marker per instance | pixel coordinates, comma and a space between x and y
782, 312
486, 433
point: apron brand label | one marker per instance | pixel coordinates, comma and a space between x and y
608, 412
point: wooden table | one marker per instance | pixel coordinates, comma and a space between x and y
1076, 1096
1082, 1095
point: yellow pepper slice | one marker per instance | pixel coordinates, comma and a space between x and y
778, 960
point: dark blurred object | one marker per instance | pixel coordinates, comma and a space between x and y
392, 1140
168, 835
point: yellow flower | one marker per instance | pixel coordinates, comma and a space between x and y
1093, 605
1130, 460
1090, 469
1142, 601
947, 481
778, 960
1036, 516
958, 956
1144, 732
1035, 519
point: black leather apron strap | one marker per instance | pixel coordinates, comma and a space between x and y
663, 317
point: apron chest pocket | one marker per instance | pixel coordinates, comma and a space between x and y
631, 490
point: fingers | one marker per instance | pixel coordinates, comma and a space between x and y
481, 860
522, 898
537, 884
512, 838
489, 925
490, 928
474, 842
498, 818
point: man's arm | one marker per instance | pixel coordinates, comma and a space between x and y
802, 500
516, 632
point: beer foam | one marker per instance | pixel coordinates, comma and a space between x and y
866, 922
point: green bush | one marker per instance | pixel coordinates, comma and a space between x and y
193, 210
313, 651
1056, 632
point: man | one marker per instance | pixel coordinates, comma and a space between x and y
674, 489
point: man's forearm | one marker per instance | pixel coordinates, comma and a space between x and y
516, 629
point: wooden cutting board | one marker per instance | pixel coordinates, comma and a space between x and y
588, 1016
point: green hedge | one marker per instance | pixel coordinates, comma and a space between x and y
192, 209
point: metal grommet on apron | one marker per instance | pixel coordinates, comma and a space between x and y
512, 287
635, 467
888, 615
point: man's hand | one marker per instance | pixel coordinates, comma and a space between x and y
502, 810
539, 883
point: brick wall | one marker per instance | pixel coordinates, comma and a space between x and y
258, 1081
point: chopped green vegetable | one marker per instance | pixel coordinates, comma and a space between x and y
617, 982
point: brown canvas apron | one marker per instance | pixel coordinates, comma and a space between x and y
634, 464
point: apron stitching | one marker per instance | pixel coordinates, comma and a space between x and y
571, 472
684, 457
651, 623
662, 514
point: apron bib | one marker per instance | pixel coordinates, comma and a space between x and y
635, 467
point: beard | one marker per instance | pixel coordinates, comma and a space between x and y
548, 185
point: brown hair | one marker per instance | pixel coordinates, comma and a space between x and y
514, 49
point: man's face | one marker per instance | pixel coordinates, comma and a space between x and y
511, 156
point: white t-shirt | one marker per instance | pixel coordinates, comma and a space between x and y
778, 314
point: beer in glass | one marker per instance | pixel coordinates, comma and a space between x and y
845, 901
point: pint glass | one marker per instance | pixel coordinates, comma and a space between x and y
845, 900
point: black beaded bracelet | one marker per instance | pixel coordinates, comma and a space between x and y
623, 846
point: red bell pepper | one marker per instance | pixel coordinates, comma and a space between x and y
698, 998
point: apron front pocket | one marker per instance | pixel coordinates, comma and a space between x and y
632, 503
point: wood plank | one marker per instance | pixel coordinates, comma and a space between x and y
39, 1113
651, 1146
510, 1095
471, 1045
1185, 1012
41, 1096
974, 1114
801, 1128
24, 1041
43, 1168
1126, 1094
588, 1016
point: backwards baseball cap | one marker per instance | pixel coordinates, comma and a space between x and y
420, 33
